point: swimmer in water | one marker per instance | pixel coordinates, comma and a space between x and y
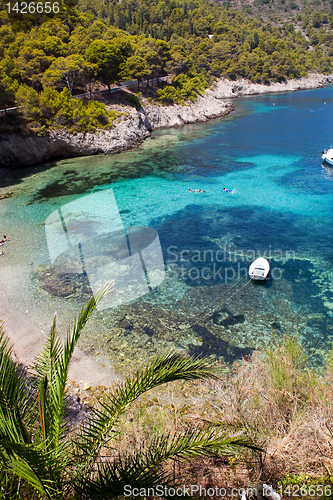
197, 191
226, 190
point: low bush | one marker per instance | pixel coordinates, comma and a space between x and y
133, 99
183, 88
59, 109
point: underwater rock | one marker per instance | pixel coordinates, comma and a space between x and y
226, 319
148, 331
233, 320
124, 323
213, 345
60, 284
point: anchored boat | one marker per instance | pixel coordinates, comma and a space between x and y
327, 155
259, 269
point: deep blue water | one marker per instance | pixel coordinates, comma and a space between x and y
281, 206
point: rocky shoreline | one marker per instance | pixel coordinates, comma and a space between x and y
135, 126
130, 130
227, 89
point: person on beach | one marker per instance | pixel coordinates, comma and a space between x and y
4, 240
1, 252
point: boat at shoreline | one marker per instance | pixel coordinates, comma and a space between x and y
327, 155
259, 269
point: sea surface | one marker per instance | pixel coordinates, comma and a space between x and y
179, 258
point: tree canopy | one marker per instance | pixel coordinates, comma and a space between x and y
104, 41
65, 71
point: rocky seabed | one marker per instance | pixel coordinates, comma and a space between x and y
134, 126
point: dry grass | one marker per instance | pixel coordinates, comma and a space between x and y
275, 398
285, 407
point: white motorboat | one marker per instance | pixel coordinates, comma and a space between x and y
259, 269
327, 155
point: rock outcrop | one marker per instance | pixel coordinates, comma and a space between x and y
130, 130
17, 150
227, 89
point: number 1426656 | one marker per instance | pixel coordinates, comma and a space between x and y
33, 7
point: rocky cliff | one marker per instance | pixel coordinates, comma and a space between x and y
130, 130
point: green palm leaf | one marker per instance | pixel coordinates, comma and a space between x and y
144, 469
16, 402
112, 477
31, 464
160, 370
52, 368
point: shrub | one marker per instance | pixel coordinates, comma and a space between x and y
183, 88
133, 99
29, 101
52, 108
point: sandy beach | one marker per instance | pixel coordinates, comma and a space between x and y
27, 340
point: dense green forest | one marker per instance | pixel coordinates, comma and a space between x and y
45, 58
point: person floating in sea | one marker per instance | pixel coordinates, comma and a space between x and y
197, 191
226, 190
2, 242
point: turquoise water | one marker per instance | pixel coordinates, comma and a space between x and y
269, 154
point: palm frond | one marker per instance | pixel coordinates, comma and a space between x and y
34, 452
52, 350
145, 469
112, 478
32, 465
12, 488
160, 370
16, 399
52, 368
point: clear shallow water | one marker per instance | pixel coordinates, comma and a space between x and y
269, 153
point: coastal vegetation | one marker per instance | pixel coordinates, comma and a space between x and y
44, 456
176, 420
279, 398
96, 44
59, 109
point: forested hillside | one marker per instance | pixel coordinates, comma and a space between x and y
280, 10
45, 58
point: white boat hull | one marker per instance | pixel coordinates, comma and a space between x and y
328, 156
259, 269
